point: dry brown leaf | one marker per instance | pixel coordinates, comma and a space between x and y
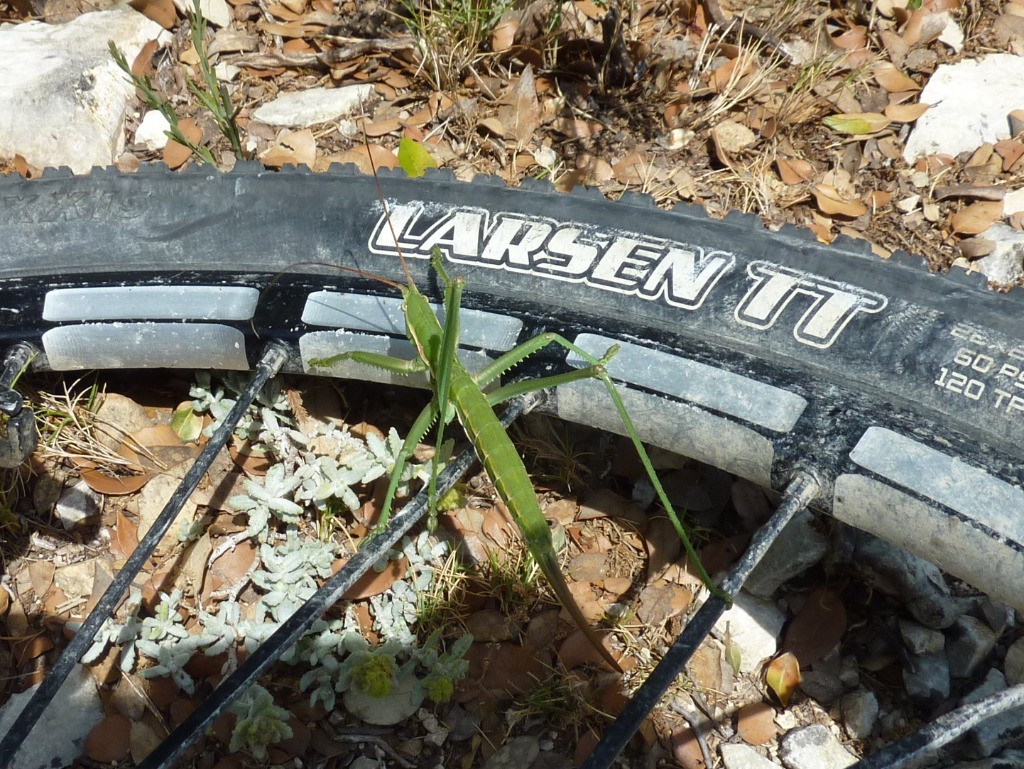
755, 723
114, 485
977, 217
975, 248
374, 582
176, 155
283, 11
160, 11
157, 435
492, 125
924, 26
143, 64
663, 546
906, 113
783, 676
109, 740
633, 169
879, 199
287, 31
831, 202
794, 170
126, 535
731, 71
577, 650
821, 231
34, 647
590, 9
297, 46
504, 35
520, 112
852, 39
293, 148
40, 574
367, 157
577, 129
817, 628
26, 171
892, 79
382, 127
1010, 150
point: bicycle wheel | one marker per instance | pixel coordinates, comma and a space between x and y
759, 352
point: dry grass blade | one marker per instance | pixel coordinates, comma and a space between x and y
66, 422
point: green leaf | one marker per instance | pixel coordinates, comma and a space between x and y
733, 655
187, 424
414, 158
858, 123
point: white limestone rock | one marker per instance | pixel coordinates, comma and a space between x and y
971, 101
317, 105
64, 99
152, 131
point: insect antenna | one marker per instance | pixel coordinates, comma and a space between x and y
383, 201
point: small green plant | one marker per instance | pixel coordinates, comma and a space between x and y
260, 722
211, 94
375, 675
555, 699
511, 578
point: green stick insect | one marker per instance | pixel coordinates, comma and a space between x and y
457, 393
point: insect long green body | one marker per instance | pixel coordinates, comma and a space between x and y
454, 386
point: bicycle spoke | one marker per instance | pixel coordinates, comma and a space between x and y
273, 358
915, 748
799, 493
21, 436
232, 687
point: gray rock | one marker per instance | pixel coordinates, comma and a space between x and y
402, 701
515, 754
1006, 262
1001, 730
917, 582
77, 504
970, 103
1008, 759
754, 626
860, 712
315, 105
59, 735
64, 98
823, 682
919, 639
849, 671
1013, 665
998, 615
462, 723
926, 678
801, 545
968, 643
739, 756
814, 747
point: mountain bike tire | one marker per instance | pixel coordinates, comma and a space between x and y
758, 352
